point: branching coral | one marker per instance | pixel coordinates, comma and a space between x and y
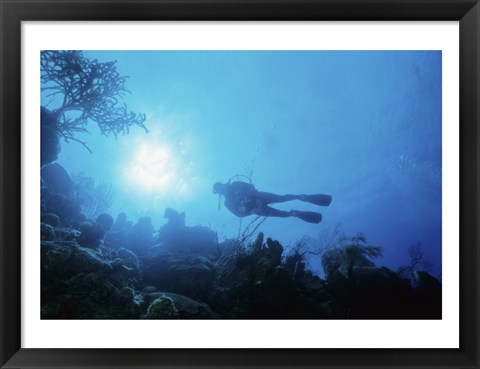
246, 233
417, 262
350, 252
88, 90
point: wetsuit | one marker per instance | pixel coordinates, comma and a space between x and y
242, 199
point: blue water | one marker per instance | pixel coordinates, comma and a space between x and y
362, 126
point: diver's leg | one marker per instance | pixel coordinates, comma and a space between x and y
267, 211
307, 216
320, 200
271, 198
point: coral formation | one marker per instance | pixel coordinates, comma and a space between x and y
162, 308
89, 88
86, 90
182, 272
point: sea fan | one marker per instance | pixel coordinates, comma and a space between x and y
348, 253
94, 198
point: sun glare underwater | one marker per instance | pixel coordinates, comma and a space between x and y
241, 184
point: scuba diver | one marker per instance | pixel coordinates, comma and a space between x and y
243, 199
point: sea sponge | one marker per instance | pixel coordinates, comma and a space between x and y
162, 308
47, 232
91, 235
105, 220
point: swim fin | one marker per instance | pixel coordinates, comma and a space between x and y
320, 200
307, 216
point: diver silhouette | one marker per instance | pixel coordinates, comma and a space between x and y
243, 199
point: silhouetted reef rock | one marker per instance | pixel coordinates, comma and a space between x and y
83, 283
65, 207
186, 308
378, 292
50, 140
182, 261
184, 273
430, 290
51, 219
47, 232
91, 235
57, 179
162, 308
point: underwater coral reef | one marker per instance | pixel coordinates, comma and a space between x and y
97, 266
106, 268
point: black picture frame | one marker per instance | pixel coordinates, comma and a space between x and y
13, 12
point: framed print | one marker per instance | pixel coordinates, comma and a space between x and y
239, 184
